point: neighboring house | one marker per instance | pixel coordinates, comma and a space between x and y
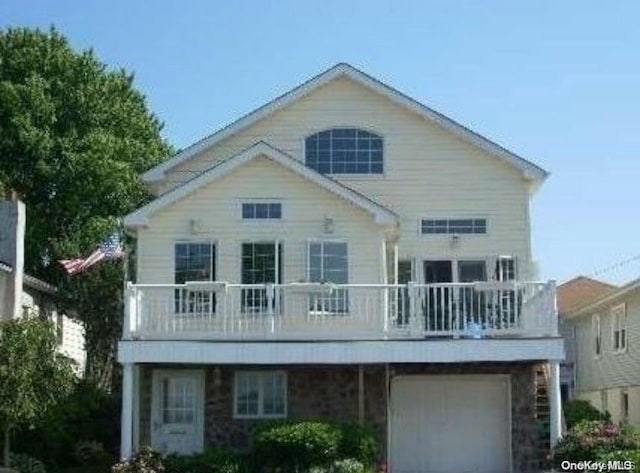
22, 294
572, 295
607, 339
345, 253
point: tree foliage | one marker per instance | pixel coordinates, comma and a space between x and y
74, 136
33, 375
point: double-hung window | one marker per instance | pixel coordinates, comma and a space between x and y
194, 261
260, 394
619, 328
328, 263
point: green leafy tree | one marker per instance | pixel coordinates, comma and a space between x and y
74, 136
33, 375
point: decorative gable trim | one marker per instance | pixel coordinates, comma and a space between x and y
140, 217
529, 170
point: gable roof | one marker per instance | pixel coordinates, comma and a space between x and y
606, 299
581, 291
382, 215
530, 170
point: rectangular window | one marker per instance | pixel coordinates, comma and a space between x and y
619, 328
261, 264
178, 400
328, 262
454, 226
597, 335
260, 394
624, 407
262, 211
194, 261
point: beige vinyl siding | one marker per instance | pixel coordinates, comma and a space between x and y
610, 370
428, 172
217, 208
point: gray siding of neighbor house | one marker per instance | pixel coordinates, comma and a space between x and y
609, 370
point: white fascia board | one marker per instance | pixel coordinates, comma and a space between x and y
382, 215
341, 352
530, 171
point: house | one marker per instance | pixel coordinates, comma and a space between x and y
25, 295
607, 336
572, 295
343, 252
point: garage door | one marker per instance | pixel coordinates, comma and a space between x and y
450, 424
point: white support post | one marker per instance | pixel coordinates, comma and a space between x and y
126, 426
555, 402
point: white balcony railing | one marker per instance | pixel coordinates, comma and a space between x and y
308, 311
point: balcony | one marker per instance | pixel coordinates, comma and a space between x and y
223, 311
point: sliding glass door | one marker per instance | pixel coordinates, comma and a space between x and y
261, 264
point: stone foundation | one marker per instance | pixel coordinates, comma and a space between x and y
330, 392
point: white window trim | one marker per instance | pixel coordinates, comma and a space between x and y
618, 323
447, 236
326, 240
596, 333
349, 176
260, 414
197, 241
262, 200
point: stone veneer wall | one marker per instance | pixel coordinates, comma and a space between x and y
331, 392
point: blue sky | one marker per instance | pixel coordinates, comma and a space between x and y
557, 82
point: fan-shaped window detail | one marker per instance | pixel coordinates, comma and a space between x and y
344, 151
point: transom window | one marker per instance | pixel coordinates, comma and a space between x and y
260, 394
261, 210
619, 327
453, 226
344, 151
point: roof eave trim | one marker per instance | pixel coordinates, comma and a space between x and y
530, 170
140, 217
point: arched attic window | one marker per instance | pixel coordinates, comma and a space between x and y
344, 151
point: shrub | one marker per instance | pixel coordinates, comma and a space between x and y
587, 440
26, 464
294, 446
145, 461
358, 443
87, 414
211, 460
348, 465
620, 455
577, 411
90, 452
297, 446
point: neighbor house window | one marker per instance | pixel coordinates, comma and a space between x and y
619, 327
194, 261
444, 226
597, 334
328, 262
261, 211
344, 151
260, 394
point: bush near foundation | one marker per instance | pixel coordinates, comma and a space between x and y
577, 411
300, 446
590, 439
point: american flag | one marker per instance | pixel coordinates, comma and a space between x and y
111, 248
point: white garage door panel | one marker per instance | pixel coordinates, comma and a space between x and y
450, 424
